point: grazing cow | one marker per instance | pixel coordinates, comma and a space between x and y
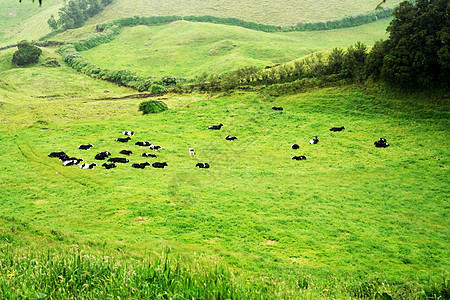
72, 161
148, 155
202, 165
140, 165
57, 154
121, 160
191, 152
277, 108
337, 128
295, 146
126, 132
231, 138
102, 155
215, 127
126, 152
85, 147
315, 140
123, 140
381, 143
159, 165
143, 144
301, 157
155, 147
109, 166
87, 166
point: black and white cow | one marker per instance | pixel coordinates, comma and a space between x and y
337, 128
127, 132
315, 140
301, 157
148, 155
109, 166
102, 155
155, 147
72, 161
126, 152
215, 127
121, 160
143, 144
85, 147
295, 146
231, 138
381, 143
202, 165
123, 140
140, 165
191, 152
159, 165
87, 166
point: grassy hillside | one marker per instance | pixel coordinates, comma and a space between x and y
188, 49
349, 210
281, 12
25, 20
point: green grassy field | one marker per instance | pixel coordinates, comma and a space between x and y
189, 49
281, 12
350, 210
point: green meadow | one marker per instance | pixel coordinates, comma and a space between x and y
190, 49
350, 211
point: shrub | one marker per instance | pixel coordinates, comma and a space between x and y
152, 107
27, 54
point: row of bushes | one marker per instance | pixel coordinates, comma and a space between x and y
349, 21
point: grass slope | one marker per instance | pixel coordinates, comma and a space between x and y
26, 20
280, 12
188, 49
349, 210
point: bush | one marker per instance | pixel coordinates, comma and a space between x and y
152, 107
27, 54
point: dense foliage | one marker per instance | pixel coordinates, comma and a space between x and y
75, 12
27, 54
152, 107
417, 53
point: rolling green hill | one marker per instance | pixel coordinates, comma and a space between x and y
189, 49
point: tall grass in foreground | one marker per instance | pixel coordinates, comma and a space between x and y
83, 276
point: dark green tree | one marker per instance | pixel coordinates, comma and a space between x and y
26, 54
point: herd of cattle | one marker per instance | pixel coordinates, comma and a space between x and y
69, 161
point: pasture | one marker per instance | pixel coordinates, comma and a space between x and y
350, 210
190, 49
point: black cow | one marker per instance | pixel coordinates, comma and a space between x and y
87, 166
381, 143
295, 146
57, 154
123, 140
85, 147
277, 108
155, 147
159, 165
126, 152
140, 165
102, 155
127, 132
121, 160
231, 138
143, 144
215, 127
109, 166
337, 128
148, 155
301, 157
202, 165
315, 140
